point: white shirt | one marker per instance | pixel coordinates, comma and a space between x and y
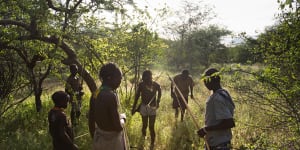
219, 106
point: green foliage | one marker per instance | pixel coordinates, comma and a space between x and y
188, 22
22, 125
14, 86
279, 48
27, 126
19, 129
257, 87
205, 48
267, 96
243, 53
275, 88
72, 32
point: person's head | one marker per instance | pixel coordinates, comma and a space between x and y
185, 73
212, 79
110, 75
73, 69
147, 76
60, 99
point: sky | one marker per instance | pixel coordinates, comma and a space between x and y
250, 16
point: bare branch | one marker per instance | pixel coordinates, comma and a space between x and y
15, 103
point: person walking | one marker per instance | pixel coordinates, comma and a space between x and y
184, 83
219, 112
150, 93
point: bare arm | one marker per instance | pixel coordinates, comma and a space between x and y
223, 125
68, 87
172, 90
158, 94
137, 96
91, 118
64, 135
113, 110
192, 88
192, 94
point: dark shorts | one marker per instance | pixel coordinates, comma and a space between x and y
222, 146
178, 102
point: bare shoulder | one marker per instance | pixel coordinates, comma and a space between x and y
156, 84
177, 76
107, 96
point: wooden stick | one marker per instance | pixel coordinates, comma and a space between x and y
188, 108
81, 135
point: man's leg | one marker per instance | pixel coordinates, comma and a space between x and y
145, 124
73, 113
176, 112
78, 107
151, 128
182, 113
183, 103
175, 106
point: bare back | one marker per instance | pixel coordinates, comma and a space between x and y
106, 113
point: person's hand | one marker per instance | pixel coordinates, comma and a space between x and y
123, 116
201, 132
122, 119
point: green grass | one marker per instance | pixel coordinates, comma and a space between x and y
23, 129
170, 133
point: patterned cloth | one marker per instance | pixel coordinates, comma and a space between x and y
108, 140
147, 110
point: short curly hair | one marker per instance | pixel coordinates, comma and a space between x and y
108, 70
60, 96
146, 73
185, 71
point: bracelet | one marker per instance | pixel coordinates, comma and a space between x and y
205, 131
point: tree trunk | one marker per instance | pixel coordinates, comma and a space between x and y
38, 101
72, 59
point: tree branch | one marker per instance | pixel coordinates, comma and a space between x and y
6, 22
